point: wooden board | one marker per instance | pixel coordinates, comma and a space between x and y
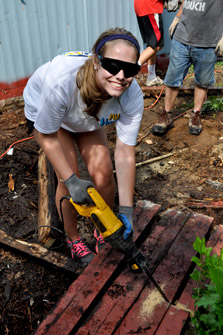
108, 299
85, 292
37, 251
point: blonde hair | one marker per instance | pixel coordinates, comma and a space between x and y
91, 94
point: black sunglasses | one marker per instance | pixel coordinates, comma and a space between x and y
114, 66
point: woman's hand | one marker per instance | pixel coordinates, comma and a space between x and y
126, 216
78, 189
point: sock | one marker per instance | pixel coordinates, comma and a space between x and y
151, 71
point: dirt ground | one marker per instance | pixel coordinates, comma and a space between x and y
31, 288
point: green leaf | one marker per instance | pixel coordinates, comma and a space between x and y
217, 278
196, 260
199, 245
207, 300
195, 275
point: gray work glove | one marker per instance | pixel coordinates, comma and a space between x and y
219, 48
173, 26
78, 189
171, 5
126, 216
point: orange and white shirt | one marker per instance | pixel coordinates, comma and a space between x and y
146, 7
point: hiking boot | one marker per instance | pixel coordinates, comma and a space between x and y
195, 126
164, 123
80, 250
99, 241
157, 81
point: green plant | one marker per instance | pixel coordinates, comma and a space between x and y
208, 295
213, 103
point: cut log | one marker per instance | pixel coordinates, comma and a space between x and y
47, 215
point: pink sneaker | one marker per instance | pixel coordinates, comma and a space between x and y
80, 250
99, 241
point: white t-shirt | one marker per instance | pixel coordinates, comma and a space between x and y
52, 101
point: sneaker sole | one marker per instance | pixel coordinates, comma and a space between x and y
87, 260
161, 132
193, 131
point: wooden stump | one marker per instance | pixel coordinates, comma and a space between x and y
47, 214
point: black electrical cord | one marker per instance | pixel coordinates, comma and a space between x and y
58, 230
43, 245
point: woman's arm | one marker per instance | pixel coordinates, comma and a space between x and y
125, 172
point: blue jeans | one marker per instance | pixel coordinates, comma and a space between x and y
181, 58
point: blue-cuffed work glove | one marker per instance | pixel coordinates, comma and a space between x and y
78, 189
126, 216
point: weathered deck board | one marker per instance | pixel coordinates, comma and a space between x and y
169, 274
178, 315
108, 299
35, 250
127, 287
94, 279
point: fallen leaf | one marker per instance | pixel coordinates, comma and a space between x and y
11, 183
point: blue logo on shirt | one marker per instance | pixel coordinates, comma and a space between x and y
112, 118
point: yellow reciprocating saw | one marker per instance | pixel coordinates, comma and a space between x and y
112, 229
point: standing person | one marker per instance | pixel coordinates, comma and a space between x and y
67, 101
196, 33
150, 22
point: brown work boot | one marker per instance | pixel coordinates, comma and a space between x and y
164, 123
195, 126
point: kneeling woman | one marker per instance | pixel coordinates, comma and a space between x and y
67, 102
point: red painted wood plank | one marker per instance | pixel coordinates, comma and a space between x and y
169, 275
87, 287
126, 288
174, 323
216, 240
177, 315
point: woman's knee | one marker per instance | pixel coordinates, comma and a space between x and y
103, 177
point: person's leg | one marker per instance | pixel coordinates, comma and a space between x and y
69, 213
151, 65
152, 78
151, 28
76, 244
95, 152
200, 94
171, 94
176, 72
194, 124
203, 60
148, 56
156, 42
93, 147
166, 119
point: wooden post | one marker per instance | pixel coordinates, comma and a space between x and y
47, 214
